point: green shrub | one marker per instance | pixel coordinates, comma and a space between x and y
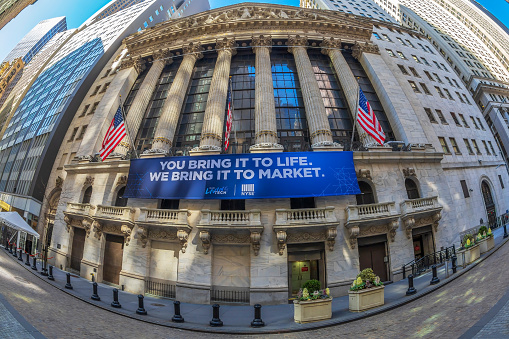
482, 230
367, 274
312, 285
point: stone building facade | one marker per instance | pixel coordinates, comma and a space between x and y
295, 75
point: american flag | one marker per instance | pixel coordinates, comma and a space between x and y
229, 121
368, 121
116, 132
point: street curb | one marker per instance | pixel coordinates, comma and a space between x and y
309, 326
19, 318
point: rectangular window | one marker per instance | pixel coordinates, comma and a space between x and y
105, 87
94, 107
448, 94
74, 132
456, 121
85, 109
386, 37
441, 117
377, 36
414, 72
401, 55
425, 88
440, 92
414, 87
467, 145
475, 123
463, 120
438, 78
476, 148
416, 59
429, 75
62, 160
430, 115
95, 90
486, 147
82, 133
459, 96
436, 64
501, 181
464, 188
107, 73
425, 61
443, 143
403, 69
410, 43
391, 53
455, 83
455, 146
480, 123
401, 40
466, 99
492, 149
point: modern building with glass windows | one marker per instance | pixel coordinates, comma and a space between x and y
294, 74
9, 9
37, 127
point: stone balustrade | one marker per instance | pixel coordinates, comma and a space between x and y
162, 216
79, 208
371, 211
230, 218
418, 205
114, 213
305, 216
419, 212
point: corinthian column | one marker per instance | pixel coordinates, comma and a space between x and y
265, 107
170, 112
211, 135
348, 82
318, 123
142, 99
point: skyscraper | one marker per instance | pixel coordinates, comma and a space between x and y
37, 127
9, 9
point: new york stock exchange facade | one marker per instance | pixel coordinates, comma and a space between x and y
288, 201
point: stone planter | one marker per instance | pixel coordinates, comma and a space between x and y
365, 299
487, 244
469, 255
312, 310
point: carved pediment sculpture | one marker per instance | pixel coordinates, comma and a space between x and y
205, 241
364, 174
89, 181
409, 172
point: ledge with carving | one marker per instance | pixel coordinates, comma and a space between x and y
163, 224
230, 227
79, 215
305, 225
420, 212
371, 219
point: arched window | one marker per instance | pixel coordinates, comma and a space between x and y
489, 203
411, 189
120, 201
87, 195
366, 196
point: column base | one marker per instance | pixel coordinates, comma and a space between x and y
205, 150
154, 153
266, 148
327, 146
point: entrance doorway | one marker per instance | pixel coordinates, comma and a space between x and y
305, 262
373, 254
489, 203
113, 253
78, 244
423, 241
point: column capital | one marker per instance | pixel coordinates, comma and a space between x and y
137, 62
194, 49
227, 44
261, 41
365, 47
329, 45
164, 55
297, 41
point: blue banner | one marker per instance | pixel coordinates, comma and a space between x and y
243, 176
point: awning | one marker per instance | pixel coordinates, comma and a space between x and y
15, 221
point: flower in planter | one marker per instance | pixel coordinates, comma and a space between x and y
327, 292
489, 232
468, 243
305, 294
366, 279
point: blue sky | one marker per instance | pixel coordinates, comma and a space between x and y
77, 11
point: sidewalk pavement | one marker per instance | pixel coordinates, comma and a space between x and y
236, 318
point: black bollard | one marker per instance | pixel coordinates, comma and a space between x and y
141, 309
6, 244
50, 274
34, 263
95, 296
435, 279
14, 252
411, 289
454, 267
28, 260
505, 231
177, 318
20, 258
10, 249
115, 302
68, 284
404, 272
44, 270
215, 322
257, 321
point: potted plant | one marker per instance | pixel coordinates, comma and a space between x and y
486, 239
469, 252
312, 303
367, 291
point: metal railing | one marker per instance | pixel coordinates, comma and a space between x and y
230, 295
421, 265
160, 288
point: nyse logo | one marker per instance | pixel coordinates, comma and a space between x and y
247, 189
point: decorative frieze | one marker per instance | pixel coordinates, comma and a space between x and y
137, 62
364, 47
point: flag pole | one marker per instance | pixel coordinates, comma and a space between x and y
126, 126
356, 112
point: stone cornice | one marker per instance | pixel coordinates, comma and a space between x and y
243, 20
